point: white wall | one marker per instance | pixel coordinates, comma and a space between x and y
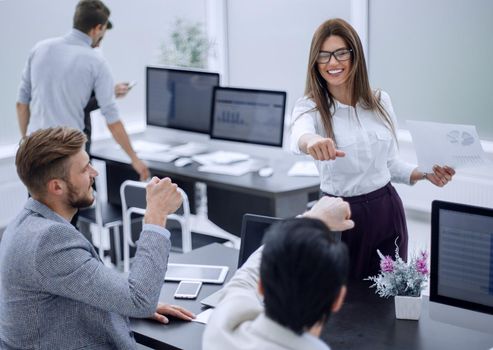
269, 42
435, 59
268, 48
133, 43
20, 28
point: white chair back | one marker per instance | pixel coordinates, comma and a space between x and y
133, 197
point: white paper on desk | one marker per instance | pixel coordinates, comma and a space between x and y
454, 145
304, 168
220, 157
146, 146
203, 317
235, 169
163, 157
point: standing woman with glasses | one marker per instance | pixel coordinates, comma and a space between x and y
350, 131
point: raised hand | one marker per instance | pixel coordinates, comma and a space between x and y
334, 212
163, 198
322, 148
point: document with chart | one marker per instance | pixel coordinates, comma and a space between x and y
454, 145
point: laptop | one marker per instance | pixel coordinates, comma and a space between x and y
253, 229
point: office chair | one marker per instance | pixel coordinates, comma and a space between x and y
201, 224
133, 196
107, 217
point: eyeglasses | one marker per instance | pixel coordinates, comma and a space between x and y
340, 55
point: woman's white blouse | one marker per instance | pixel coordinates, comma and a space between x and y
371, 159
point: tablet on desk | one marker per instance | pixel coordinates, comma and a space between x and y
191, 272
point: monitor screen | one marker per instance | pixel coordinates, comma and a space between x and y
253, 229
252, 116
462, 256
180, 99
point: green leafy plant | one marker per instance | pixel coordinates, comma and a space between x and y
187, 47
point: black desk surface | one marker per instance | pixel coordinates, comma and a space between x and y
277, 184
180, 334
366, 321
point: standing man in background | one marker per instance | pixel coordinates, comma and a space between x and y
62, 73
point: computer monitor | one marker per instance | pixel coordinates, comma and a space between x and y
461, 282
253, 229
179, 99
252, 116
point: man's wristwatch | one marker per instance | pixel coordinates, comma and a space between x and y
425, 176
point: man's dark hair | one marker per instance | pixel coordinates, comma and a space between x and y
89, 14
302, 271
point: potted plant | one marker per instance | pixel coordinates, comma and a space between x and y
404, 281
188, 45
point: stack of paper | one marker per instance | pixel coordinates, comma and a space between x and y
305, 168
157, 156
204, 316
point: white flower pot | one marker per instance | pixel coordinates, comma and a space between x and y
407, 308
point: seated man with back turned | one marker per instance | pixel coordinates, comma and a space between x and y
55, 292
302, 279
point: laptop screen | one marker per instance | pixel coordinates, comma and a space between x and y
253, 229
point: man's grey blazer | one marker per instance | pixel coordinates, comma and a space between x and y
55, 293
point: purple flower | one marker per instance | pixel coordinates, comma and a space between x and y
387, 264
421, 264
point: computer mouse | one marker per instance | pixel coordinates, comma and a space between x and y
181, 162
266, 172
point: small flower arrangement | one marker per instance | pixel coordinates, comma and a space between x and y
397, 277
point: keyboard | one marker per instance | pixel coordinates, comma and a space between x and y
188, 149
220, 157
157, 156
147, 147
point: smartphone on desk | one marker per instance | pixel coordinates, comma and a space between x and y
188, 290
